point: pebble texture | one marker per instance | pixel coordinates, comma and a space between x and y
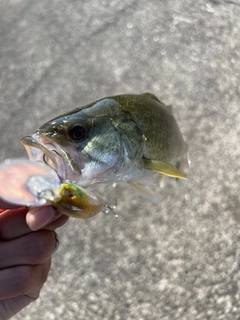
178, 259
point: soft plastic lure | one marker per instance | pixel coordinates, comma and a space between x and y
33, 184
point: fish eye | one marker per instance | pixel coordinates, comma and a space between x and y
77, 132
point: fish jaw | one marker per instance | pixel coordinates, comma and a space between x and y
64, 162
75, 166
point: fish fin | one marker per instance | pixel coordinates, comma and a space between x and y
151, 95
143, 192
163, 168
161, 181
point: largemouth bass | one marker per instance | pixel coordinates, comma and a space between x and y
124, 138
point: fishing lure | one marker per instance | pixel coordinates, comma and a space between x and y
34, 184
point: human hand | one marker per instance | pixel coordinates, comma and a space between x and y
38, 217
25, 255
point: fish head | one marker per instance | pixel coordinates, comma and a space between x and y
81, 146
52, 144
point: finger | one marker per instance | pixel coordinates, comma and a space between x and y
57, 223
34, 248
11, 306
13, 223
23, 280
6, 205
39, 217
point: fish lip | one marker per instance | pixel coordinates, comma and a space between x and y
44, 149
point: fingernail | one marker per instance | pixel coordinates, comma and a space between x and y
56, 245
39, 217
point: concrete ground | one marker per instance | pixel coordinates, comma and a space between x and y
175, 260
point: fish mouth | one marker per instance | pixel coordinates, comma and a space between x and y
45, 150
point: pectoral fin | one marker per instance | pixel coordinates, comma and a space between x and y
143, 192
163, 168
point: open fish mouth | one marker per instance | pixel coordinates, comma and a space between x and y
45, 150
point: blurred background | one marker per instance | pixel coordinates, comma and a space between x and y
178, 259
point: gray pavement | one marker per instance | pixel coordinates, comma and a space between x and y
175, 260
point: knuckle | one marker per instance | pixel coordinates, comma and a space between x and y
30, 279
22, 279
44, 274
43, 244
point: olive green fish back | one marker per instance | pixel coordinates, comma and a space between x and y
163, 139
